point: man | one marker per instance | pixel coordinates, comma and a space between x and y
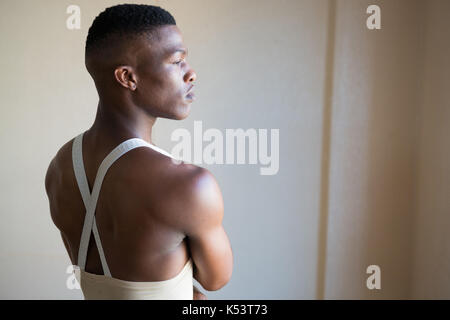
153, 214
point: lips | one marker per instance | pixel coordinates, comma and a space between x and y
190, 94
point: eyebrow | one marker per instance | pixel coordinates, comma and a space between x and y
184, 51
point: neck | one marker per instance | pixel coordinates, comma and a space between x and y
117, 124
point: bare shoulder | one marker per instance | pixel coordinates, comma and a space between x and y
197, 197
191, 194
191, 203
54, 168
55, 180
197, 190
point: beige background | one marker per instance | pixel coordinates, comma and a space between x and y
364, 150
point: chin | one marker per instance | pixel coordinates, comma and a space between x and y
175, 116
182, 112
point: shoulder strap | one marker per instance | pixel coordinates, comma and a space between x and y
90, 199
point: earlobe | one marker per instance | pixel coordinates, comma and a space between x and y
132, 81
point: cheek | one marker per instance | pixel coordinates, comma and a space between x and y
164, 87
174, 84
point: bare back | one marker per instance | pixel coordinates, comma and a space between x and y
139, 239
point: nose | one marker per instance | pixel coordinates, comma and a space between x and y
190, 76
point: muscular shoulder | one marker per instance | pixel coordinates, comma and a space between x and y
54, 170
190, 195
198, 201
55, 180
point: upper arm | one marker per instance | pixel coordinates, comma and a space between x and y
201, 202
51, 184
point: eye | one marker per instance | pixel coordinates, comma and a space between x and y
179, 61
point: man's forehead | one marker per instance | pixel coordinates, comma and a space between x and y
157, 46
168, 39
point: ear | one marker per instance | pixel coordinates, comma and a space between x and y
126, 77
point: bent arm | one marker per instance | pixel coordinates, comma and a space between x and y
212, 255
208, 242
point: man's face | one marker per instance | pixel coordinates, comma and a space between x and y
163, 75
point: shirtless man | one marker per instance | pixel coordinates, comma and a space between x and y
152, 213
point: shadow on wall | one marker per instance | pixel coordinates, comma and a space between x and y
369, 149
325, 157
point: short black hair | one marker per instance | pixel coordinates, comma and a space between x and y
125, 20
